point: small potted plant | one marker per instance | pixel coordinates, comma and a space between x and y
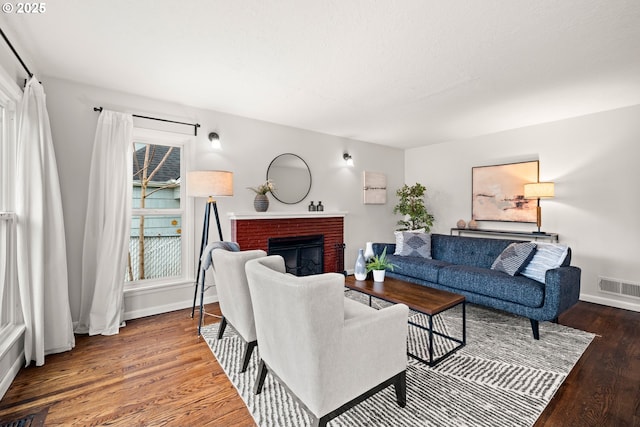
261, 201
379, 264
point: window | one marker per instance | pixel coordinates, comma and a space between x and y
157, 243
10, 315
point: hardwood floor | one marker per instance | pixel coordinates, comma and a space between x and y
603, 389
158, 372
155, 372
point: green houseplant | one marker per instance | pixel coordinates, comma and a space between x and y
411, 205
379, 264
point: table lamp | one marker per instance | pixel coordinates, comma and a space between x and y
539, 190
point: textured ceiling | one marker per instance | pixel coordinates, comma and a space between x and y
399, 73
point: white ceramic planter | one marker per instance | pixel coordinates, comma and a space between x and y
378, 275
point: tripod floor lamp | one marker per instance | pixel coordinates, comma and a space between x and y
539, 190
209, 184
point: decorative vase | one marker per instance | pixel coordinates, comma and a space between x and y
368, 251
360, 271
461, 223
378, 275
473, 224
261, 203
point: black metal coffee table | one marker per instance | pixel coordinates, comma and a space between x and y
422, 299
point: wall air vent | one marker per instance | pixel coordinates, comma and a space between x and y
630, 289
619, 287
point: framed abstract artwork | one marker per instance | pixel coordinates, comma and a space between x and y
498, 192
375, 188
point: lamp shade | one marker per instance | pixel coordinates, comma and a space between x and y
209, 183
539, 190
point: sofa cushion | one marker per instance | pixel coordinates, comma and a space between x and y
514, 258
418, 267
400, 239
471, 251
415, 244
547, 256
492, 283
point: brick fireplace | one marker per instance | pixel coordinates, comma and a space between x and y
253, 231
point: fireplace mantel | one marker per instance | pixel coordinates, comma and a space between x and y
252, 230
285, 215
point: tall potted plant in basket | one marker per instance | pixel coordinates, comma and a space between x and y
379, 264
411, 206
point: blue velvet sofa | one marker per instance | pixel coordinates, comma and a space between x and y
463, 265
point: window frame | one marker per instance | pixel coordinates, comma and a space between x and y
10, 95
184, 142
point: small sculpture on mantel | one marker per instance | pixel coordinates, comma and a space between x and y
473, 224
461, 224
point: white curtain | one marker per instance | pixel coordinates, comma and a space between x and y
42, 256
107, 227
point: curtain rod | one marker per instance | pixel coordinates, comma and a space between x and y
195, 125
16, 54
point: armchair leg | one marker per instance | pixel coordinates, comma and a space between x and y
535, 329
400, 385
223, 325
262, 375
247, 354
319, 422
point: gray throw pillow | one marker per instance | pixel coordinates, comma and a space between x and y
400, 239
514, 258
416, 244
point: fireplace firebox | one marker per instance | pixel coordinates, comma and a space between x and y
303, 255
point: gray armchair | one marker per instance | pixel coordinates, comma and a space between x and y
329, 351
233, 295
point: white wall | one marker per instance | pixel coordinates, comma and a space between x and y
248, 147
594, 161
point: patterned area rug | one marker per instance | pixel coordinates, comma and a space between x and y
502, 377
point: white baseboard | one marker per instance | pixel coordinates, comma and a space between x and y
163, 299
610, 302
148, 302
11, 358
8, 377
159, 309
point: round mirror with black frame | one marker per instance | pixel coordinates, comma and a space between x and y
291, 177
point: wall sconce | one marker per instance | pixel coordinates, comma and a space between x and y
347, 158
539, 190
215, 141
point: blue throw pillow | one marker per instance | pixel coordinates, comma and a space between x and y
514, 258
